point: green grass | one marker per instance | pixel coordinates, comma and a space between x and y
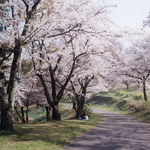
37, 114
126, 102
46, 135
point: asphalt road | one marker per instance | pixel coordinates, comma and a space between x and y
118, 132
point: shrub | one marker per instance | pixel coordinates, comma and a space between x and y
137, 97
119, 94
103, 92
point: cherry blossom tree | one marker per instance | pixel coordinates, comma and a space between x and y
138, 67
59, 75
79, 94
24, 89
134, 61
68, 49
36, 20
17, 19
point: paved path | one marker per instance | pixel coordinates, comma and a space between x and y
119, 132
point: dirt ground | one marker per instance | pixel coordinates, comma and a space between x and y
118, 132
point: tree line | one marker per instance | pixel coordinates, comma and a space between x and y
55, 49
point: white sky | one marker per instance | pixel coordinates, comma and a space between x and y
130, 13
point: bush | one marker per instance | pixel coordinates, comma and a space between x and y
137, 97
103, 92
119, 94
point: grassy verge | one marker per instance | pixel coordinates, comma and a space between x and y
53, 135
130, 103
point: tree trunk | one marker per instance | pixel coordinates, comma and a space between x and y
144, 91
80, 104
27, 110
56, 113
37, 104
127, 86
8, 101
22, 113
48, 109
6, 115
74, 104
18, 113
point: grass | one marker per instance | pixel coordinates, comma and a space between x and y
127, 102
45, 135
42, 135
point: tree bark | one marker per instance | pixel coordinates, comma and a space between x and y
27, 110
7, 102
56, 113
18, 113
8, 99
74, 105
48, 113
27, 105
22, 113
127, 86
6, 115
144, 91
80, 104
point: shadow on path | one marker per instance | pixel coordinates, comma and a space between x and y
119, 132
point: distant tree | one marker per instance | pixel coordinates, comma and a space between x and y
138, 67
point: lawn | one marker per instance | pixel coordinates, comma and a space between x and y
52, 135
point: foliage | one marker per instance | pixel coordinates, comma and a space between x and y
137, 97
124, 94
68, 43
103, 92
119, 94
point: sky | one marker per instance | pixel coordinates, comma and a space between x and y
129, 13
